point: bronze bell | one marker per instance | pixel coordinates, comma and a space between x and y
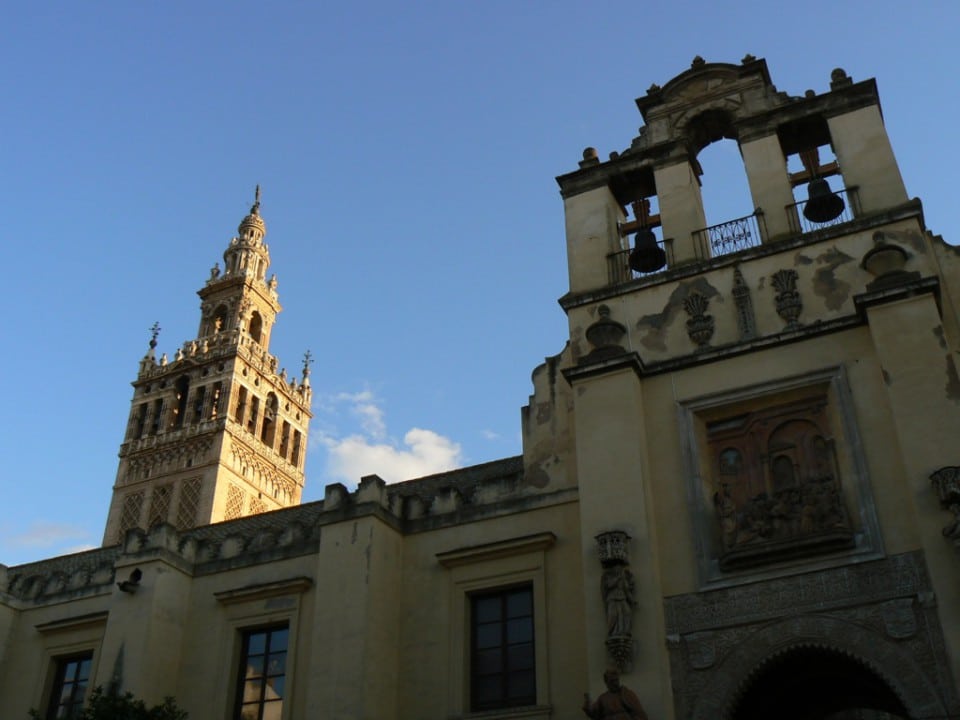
823, 205
646, 256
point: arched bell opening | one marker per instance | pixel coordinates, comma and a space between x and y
728, 207
256, 327
817, 684
821, 198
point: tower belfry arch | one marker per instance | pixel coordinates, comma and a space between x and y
219, 431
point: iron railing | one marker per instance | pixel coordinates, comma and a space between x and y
800, 225
618, 264
730, 237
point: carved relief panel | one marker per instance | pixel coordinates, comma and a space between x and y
777, 478
777, 483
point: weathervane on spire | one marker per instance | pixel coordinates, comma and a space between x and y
307, 362
255, 210
154, 332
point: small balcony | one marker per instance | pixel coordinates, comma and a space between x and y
736, 236
730, 237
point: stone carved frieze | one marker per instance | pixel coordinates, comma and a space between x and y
618, 589
777, 484
788, 300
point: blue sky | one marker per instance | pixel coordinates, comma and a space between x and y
407, 153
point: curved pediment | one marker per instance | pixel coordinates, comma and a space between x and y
711, 85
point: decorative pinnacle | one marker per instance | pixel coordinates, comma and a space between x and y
154, 332
307, 362
255, 210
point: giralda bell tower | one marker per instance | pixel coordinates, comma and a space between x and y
218, 431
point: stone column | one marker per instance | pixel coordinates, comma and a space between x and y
142, 642
681, 208
920, 373
592, 234
866, 159
613, 476
356, 624
769, 183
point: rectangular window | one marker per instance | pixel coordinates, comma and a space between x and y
70, 687
263, 671
502, 672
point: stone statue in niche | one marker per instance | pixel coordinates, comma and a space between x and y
778, 490
618, 590
617, 703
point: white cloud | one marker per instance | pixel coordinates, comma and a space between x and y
490, 435
424, 452
44, 535
372, 451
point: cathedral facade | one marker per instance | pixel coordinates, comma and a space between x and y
738, 498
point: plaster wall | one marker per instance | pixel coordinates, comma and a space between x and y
866, 158
591, 228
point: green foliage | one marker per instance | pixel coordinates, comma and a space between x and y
109, 705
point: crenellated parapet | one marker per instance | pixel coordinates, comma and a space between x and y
61, 578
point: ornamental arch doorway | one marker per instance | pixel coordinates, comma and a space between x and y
811, 683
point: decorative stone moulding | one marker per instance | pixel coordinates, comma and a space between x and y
946, 482
788, 301
700, 326
612, 547
746, 321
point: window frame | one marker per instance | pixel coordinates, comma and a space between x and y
61, 663
502, 595
488, 568
245, 635
251, 608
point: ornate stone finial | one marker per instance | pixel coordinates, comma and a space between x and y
252, 226
698, 62
307, 362
839, 79
653, 88
605, 336
589, 157
154, 332
748, 58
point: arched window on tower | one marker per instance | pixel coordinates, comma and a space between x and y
254, 412
732, 224
215, 400
256, 327
269, 429
181, 390
241, 405
139, 421
199, 397
821, 198
219, 322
